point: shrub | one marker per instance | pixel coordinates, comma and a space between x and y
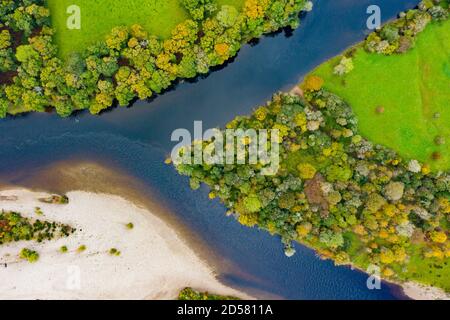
29, 255
344, 66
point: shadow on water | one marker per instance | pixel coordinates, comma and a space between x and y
137, 140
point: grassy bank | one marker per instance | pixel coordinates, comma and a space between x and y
99, 17
412, 88
158, 17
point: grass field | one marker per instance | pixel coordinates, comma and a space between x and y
414, 90
237, 3
158, 17
428, 271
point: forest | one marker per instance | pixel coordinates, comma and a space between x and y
352, 200
15, 227
130, 63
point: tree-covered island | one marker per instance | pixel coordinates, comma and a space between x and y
353, 201
39, 71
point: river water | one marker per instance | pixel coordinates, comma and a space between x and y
137, 140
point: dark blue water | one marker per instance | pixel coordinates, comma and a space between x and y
137, 140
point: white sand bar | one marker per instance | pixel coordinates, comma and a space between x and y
418, 291
155, 263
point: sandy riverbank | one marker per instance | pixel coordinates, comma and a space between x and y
418, 291
155, 262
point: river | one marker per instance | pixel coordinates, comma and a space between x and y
137, 140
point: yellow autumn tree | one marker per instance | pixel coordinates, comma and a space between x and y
438, 236
306, 171
387, 256
117, 38
261, 113
445, 205
5, 39
138, 32
359, 229
255, 9
341, 258
248, 219
304, 229
222, 49
312, 83
434, 252
387, 272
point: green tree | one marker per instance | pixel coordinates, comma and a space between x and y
29, 255
331, 240
227, 16
199, 9
252, 203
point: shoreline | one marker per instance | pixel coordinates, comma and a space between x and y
155, 262
414, 290
95, 179
418, 291
104, 177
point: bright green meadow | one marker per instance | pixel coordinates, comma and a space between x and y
414, 90
158, 17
